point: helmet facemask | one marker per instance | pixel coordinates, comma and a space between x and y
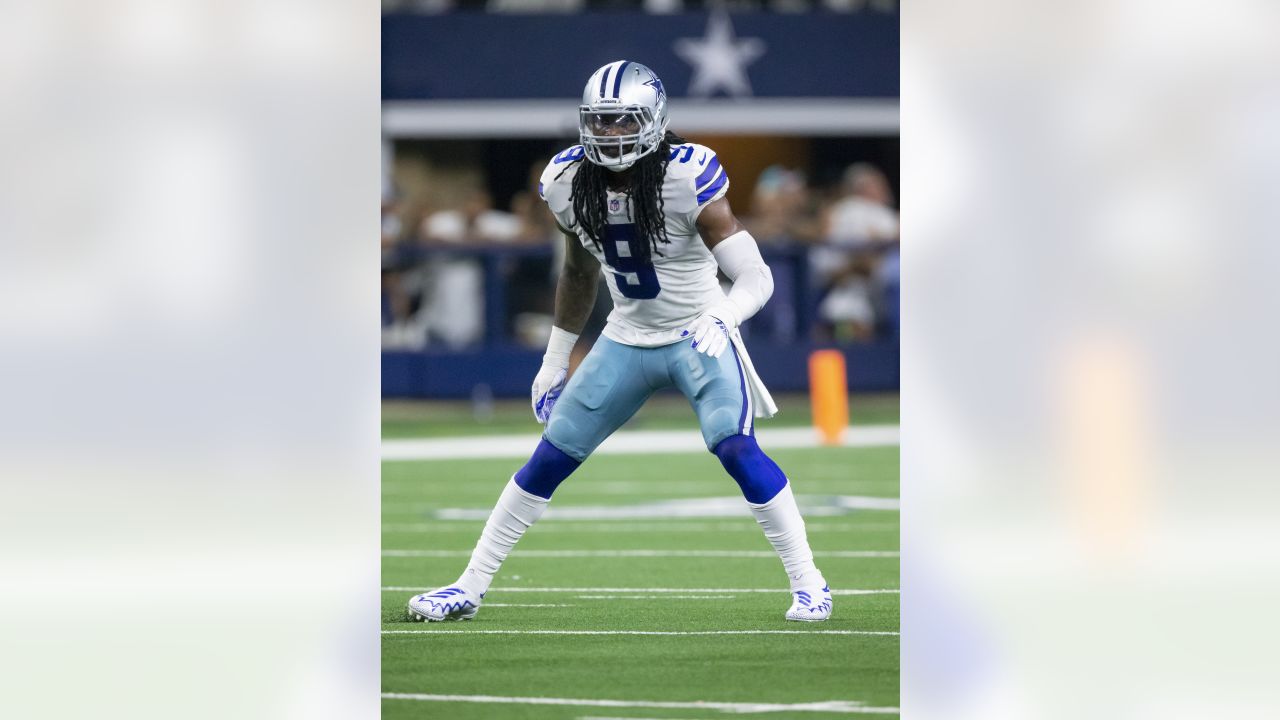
616, 137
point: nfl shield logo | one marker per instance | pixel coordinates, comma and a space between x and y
613, 205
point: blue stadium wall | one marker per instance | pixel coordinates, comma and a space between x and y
872, 367
818, 55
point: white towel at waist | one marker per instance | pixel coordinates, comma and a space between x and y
761, 400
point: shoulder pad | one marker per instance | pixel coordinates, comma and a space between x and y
699, 166
556, 182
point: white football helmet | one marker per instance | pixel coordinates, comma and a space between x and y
623, 115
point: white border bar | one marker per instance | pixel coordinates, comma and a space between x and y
555, 118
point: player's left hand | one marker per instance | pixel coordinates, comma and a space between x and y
710, 335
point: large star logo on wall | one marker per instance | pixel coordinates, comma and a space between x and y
720, 59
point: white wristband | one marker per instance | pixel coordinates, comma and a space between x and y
559, 347
728, 312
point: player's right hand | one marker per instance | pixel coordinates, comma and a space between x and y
710, 335
546, 390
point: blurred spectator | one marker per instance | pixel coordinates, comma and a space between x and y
888, 280
536, 224
392, 227
859, 227
782, 207
663, 7
401, 294
422, 6
453, 285
853, 6
535, 6
475, 220
531, 283
864, 212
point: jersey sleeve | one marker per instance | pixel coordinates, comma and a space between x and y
697, 179
711, 183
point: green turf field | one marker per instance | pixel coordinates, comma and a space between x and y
647, 572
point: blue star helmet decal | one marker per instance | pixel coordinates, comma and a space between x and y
657, 85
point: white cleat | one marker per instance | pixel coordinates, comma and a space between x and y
812, 604
447, 603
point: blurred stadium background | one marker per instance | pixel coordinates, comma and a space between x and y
799, 98
1092, 453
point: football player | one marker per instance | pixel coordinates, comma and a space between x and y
649, 209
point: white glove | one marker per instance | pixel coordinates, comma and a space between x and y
546, 390
711, 331
549, 382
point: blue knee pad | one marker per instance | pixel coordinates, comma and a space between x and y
545, 470
759, 477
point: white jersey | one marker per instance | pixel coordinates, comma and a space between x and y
653, 302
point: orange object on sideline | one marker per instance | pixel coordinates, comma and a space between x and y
828, 394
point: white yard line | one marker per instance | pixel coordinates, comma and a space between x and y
641, 553
493, 605
601, 717
656, 597
676, 525
639, 632
829, 706
701, 507
631, 441
613, 717
643, 591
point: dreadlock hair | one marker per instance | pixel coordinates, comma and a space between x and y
592, 182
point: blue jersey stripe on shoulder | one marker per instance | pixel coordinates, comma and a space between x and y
617, 78
709, 173
711, 190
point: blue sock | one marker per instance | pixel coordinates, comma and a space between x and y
759, 477
544, 472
